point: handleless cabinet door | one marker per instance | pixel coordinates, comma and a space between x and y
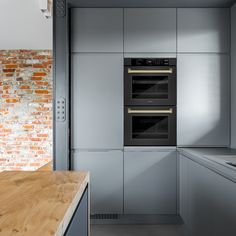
106, 179
97, 109
150, 182
203, 100
97, 30
203, 30
150, 30
212, 205
184, 188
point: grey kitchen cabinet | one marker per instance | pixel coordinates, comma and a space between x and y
150, 30
97, 106
210, 203
150, 181
183, 188
233, 76
106, 179
203, 30
79, 224
203, 100
97, 30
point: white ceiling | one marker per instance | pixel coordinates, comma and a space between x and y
155, 3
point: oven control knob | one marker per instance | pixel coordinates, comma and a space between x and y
139, 62
149, 62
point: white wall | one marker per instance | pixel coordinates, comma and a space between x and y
233, 76
23, 26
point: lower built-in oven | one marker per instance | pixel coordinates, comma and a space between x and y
150, 81
150, 126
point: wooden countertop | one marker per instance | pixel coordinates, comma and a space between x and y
39, 203
47, 167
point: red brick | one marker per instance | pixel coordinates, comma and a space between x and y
35, 78
6, 87
8, 70
40, 152
28, 126
36, 122
41, 83
11, 66
39, 57
9, 75
42, 109
42, 135
42, 91
35, 139
38, 66
6, 130
25, 87
39, 74
12, 100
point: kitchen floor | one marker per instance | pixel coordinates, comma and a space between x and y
137, 230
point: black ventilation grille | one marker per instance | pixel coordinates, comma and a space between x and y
104, 217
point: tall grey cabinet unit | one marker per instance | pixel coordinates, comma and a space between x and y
233, 76
106, 184
97, 30
97, 116
150, 30
207, 200
203, 100
203, 30
203, 91
97, 103
150, 181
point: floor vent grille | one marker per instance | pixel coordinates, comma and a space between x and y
104, 217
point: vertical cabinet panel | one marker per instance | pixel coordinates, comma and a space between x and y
97, 114
210, 207
233, 76
183, 188
203, 30
203, 100
150, 182
97, 30
212, 203
150, 30
106, 179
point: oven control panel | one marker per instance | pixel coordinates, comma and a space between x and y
150, 61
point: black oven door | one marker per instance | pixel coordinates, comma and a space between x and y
145, 85
150, 126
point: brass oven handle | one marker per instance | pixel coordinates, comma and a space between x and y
169, 71
156, 111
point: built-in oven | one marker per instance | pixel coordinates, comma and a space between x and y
150, 126
150, 81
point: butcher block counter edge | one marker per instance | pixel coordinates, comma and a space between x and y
63, 219
70, 211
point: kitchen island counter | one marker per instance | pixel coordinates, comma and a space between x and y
40, 203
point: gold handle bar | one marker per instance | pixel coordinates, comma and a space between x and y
169, 71
166, 111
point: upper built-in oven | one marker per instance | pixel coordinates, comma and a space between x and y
150, 81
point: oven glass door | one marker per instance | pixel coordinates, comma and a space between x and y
156, 86
149, 87
150, 126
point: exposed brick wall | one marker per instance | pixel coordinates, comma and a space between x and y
25, 109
